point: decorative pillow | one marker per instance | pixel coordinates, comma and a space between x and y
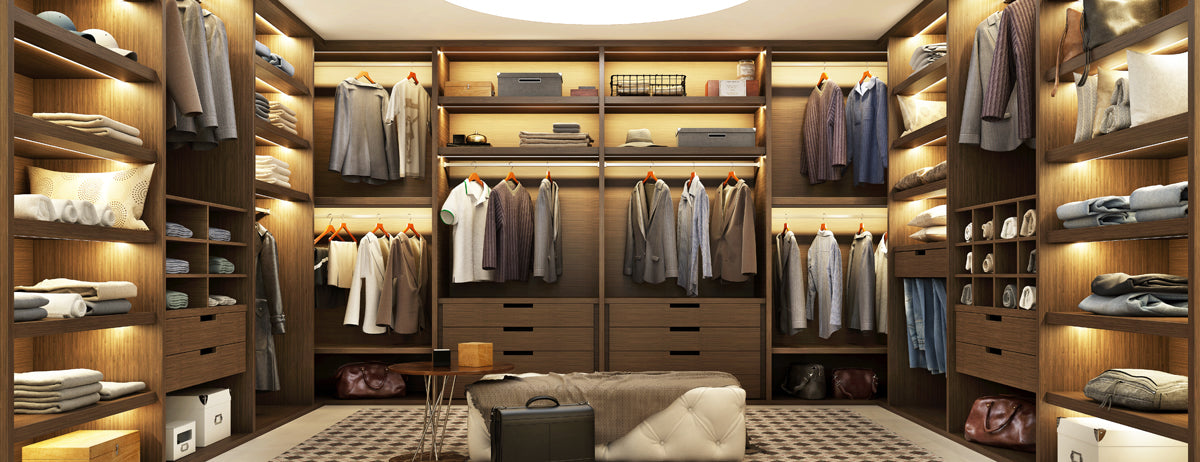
1158, 86
124, 191
911, 180
1085, 106
918, 113
930, 234
935, 216
938, 172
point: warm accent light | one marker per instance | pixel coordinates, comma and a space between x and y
1136, 149
56, 55
594, 12
267, 141
269, 25
936, 22
256, 79
934, 84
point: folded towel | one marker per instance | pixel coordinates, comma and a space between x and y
277, 114
220, 265
108, 307
218, 234
1028, 298
277, 106
222, 300
30, 314
1009, 230
213, 302
967, 297
262, 114
57, 407
56, 395
33, 207
178, 230
968, 232
1159, 196
114, 134
64, 211
1137, 304
558, 125
261, 50
1165, 213
1029, 223
987, 231
1113, 284
91, 291
283, 125
1009, 298
269, 160
989, 263
177, 266
114, 390
282, 64
55, 380
1116, 218
64, 305
88, 215
86, 121
1093, 206
273, 170
970, 262
176, 300
272, 178
275, 181
573, 144
1031, 267
25, 301
555, 136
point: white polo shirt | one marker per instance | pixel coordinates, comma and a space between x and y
466, 210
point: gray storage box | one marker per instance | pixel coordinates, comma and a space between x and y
529, 84
715, 137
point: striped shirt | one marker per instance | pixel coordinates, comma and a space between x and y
824, 134
1012, 68
508, 235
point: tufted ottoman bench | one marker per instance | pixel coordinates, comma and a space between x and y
705, 422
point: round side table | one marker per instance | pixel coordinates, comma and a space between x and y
437, 414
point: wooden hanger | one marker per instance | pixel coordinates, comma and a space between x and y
866, 75
822, 226
548, 175
824, 76
785, 228
691, 177
413, 76
364, 74
411, 228
475, 177
731, 176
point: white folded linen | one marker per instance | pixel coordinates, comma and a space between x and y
114, 390
1009, 230
286, 127
65, 306
33, 207
277, 106
273, 169
55, 380
56, 395
272, 176
71, 119
91, 291
1029, 223
114, 134
1164, 213
269, 160
278, 114
65, 211
276, 181
87, 212
1028, 298
20, 407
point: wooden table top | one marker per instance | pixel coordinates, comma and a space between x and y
426, 368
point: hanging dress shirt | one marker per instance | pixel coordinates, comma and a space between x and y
790, 306
547, 233
735, 247
508, 233
694, 253
363, 305
867, 131
824, 303
401, 306
466, 210
650, 252
358, 149
824, 134
407, 119
860, 282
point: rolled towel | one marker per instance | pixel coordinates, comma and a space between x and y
223, 300
987, 230
1009, 230
56, 395
92, 291
967, 233
220, 265
64, 211
114, 390
277, 106
261, 50
1117, 115
107, 217
88, 215
1009, 298
33, 207
55, 380
25, 301
108, 307
1159, 196
967, 297
1028, 298
20, 407
30, 314
1093, 206
73, 120
213, 302
114, 134
178, 230
1103, 219
1165, 213
989, 263
176, 300
971, 262
177, 266
1032, 266
1113, 284
218, 234
64, 306
1029, 223
1137, 304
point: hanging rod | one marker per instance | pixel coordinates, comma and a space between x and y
676, 163
339, 216
493, 163
788, 216
850, 64
370, 64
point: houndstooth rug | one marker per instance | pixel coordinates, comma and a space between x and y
807, 434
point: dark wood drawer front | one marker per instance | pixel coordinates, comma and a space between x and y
196, 332
685, 314
523, 338
685, 338
543, 361
746, 366
929, 263
1009, 333
518, 314
1000, 366
196, 367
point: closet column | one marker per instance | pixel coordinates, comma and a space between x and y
6, 239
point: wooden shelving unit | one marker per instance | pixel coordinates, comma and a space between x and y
205, 311
830, 350
30, 329
268, 134
924, 79
372, 349
34, 229
829, 201
1163, 36
506, 153
192, 240
263, 188
276, 79
39, 139
28, 426
933, 190
1161, 139
520, 104
682, 104
933, 134
1169, 424
45, 51
376, 201
1166, 327
1163, 229
678, 153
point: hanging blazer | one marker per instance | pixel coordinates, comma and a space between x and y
401, 305
734, 249
791, 305
547, 233
650, 235
361, 309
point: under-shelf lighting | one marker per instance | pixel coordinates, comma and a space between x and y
649, 163
927, 143
269, 85
466, 163
269, 25
934, 84
51, 53
1160, 143
268, 141
58, 148
936, 22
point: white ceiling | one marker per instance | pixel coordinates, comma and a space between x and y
754, 20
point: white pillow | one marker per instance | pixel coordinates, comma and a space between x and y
124, 191
1158, 86
918, 113
933, 217
930, 234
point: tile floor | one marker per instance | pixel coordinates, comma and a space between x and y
272, 444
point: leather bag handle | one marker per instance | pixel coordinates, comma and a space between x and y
367, 379
1007, 420
542, 397
1059, 53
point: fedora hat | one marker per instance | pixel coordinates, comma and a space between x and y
638, 138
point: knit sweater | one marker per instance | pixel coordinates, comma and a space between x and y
824, 134
508, 234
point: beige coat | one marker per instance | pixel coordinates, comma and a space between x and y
402, 303
734, 243
650, 234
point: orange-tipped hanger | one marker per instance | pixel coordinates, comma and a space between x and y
824, 76
343, 227
650, 176
860, 228
379, 226
822, 226
785, 228
511, 176
413, 76
730, 176
548, 175
866, 75
823, 222
364, 74
411, 228
329, 231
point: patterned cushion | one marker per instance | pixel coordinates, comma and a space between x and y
918, 113
124, 191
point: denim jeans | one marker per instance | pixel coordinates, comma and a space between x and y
925, 311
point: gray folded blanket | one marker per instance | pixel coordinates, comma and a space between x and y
1137, 304
220, 265
176, 300
1165, 213
20, 407
1093, 206
108, 307
1117, 115
177, 266
55, 380
218, 234
114, 390
30, 314
566, 128
1113, 284
1009, 297
1116, 218
926, 54
24, 301
1159, 196
552, 143
261, 50
57, 395
178, 230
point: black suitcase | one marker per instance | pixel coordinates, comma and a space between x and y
543, 434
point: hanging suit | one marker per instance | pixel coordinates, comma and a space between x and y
650, 254
401, 305
362, 309
734, 250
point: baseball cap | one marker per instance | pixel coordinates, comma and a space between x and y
61, 20
106, 40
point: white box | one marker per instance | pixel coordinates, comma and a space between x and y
1092, 439
208, 407
732, 88
181, 439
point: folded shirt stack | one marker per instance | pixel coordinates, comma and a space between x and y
262, 107
69, 298
265, 53
178, 230
566, 127
177, 266
1151, 203
42, 208
221, 300
1154, 294
282, 116
29, 307
52, 392
113, 390
926, 54
176, 300
561, 140
219, 234
1160, 202
220, 265
271, 170
95, 124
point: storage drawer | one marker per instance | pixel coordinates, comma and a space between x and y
928, 263
523, 337
543, 361
1000, 366
746, 366
685, 314
518, 314
1009, 333
195, 367
685, 338
196, 332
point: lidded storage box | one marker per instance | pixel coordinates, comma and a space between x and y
469, 88
529, 83
208, 407
715, 137
1092, 439
87, 445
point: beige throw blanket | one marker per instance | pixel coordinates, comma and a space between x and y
621, 400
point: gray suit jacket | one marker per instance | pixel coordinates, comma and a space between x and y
790, 306
650, 234
547, 233
734, 243
992, 135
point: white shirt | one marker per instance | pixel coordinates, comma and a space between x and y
466, 210
407, 119
367, 286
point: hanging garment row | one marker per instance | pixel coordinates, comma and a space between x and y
853, 132
376, 137
200, 108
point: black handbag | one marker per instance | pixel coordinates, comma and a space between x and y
805, 381
544, 434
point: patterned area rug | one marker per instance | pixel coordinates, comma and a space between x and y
807, 434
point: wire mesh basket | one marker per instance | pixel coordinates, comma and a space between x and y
647, 85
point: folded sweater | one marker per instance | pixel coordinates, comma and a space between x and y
55, 380
220, 265
1137, 304
1159, 196
73, 120
1103, 219
30, 314
178, 230
114, 134
176, 300
1113, 284
277, 106
177, 266
1165, 213
219, 234
92, 291
1093, 206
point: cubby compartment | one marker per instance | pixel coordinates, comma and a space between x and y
195, 254
781, 365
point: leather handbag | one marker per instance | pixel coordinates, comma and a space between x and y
544, 433
1070, 45
1003, 421
1104, 20
805, 381
368, 380
855, 383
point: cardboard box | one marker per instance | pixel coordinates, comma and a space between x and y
585, 92
208, 407
469, 88
87, 445
475, 354
1092, 439
714, 88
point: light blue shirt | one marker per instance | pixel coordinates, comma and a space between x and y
692, 236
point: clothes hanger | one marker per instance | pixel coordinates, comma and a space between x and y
786, 216
731, 176
362, 74
866, 74
328, 229
475, 176
860, 224
379, 226
411, 228
650, 174
413, 76
822, 222
824, 76
548, 175
347, 229
511, 176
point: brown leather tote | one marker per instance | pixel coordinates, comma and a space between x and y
854, 383
368, 380
1070, 45
1004, 421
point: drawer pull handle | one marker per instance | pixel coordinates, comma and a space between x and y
685, 329
530, 80
994, 317
994, 351
716, 135
208, 317
518, 353
920, 252
685, 353
685, 305
208, 351
518, 305
518, 329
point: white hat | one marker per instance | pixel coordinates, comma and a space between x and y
106, 40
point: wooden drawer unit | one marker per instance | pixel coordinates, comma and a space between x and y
1008, 333
685, 314
1000, 366
195, 367
544, 361
927, 263
518, 314
523, 337
197, 332
745, 365
685, 338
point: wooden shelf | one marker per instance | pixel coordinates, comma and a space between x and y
29, 426
45, 51
997, 311
263, 188
922, 246
39, 139
371, 201
204, 311
276, 78
829, 350
1001, 202
1162, 326
683, 104
330, 349
269, 135
63, 326
1161, 139
996, 275
935, 190
34, 229
520, 104
189, 240
1157, 37
1171, 425
829, 201
510, 153
919, 81
1162, 229
204, 276
188, 200
678, 153
997, 241
928, 134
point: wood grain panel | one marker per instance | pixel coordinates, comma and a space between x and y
518, 314
199, 332
9, 357
1018, 334
680, 314
195, 367
688, 337
1001, 366
524, 338
922, 263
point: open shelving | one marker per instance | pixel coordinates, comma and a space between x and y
1160, 139
1164, 326
1162, 229
35, 229
27, 426
63, 326
682, 104
931, 78
505, 153
329, 349
1165, 35
520, 104
272, 79
830, 350
933, 134
263, 188
685, 153
373, 201
1169, 424
933, 190
268, 134
40, 139
43, 50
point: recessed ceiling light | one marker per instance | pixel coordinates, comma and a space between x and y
597, 12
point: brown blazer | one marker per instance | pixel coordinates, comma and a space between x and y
402, 302
734, 244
